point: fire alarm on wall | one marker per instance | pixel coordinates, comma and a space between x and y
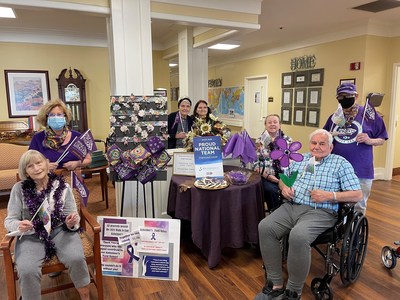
355, 66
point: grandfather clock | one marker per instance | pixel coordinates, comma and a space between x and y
72, 91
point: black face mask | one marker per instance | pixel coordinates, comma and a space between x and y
347, 102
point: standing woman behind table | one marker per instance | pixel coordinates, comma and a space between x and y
36, 245
202, 111
269, 169
179, 124
56, 137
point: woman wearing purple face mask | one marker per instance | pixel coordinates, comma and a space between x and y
56, 136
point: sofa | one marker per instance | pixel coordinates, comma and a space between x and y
9, 160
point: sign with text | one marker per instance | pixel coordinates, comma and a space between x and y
183, 163
140, 248
208, 157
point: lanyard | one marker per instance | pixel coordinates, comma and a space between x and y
180, 118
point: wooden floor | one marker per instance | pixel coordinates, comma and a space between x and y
239, 275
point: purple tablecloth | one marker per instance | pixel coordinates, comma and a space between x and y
219, 219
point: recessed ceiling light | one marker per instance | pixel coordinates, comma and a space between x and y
6, 12
172, 65
224, 46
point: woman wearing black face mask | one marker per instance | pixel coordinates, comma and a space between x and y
353, 139
54, 116
346, 101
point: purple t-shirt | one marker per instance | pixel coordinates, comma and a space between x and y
360, 156
51, 154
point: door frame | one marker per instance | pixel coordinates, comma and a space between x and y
393, 117
247, 97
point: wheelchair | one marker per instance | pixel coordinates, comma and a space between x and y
346, 245
345, 248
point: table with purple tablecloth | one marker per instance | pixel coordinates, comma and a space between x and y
219, 218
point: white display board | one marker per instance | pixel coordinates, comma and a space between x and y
140, 247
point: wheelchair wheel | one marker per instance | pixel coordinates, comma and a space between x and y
388, 257
354, 248
321, 290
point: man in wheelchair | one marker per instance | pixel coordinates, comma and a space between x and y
310, 207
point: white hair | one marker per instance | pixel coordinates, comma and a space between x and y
323, 131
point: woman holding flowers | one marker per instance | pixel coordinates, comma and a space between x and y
179, 124
206, 124
202, 111
269, 169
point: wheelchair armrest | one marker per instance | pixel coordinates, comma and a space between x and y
345, 208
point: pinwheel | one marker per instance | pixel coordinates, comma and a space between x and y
286, 152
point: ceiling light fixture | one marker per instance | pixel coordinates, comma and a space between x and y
172, 65
7, 12
224, 46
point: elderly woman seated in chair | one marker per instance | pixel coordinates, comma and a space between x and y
43, 210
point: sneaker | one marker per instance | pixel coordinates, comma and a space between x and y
54, 274
291, 295
270, 294
268, 286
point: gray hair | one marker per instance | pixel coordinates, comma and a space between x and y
27, 158
325, 132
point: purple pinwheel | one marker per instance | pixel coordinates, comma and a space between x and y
286, 152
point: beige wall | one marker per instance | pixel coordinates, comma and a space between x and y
375, 54
92, 62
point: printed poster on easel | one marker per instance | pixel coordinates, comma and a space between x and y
140, 247
208, 157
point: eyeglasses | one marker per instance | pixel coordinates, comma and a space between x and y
341, 97
56, 115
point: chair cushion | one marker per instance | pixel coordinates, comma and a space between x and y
8, 178
10, 155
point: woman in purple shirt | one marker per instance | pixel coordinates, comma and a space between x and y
56, 137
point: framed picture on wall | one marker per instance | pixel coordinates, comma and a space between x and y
313, 117
316, 77
299, 116
286, 115
160, 92
300, 97
27, 91
314, 97
351, 80
287, 97
287, 80
300, 78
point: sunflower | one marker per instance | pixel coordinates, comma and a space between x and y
205, 128
212, 128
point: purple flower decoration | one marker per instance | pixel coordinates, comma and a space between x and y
286, 152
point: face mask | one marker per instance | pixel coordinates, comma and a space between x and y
56, 123
347, 102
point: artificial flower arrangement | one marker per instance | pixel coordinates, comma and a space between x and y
200, 127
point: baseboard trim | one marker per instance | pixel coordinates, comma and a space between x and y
379, 173
396, 171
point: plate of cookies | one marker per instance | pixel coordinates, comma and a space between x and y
209, 183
